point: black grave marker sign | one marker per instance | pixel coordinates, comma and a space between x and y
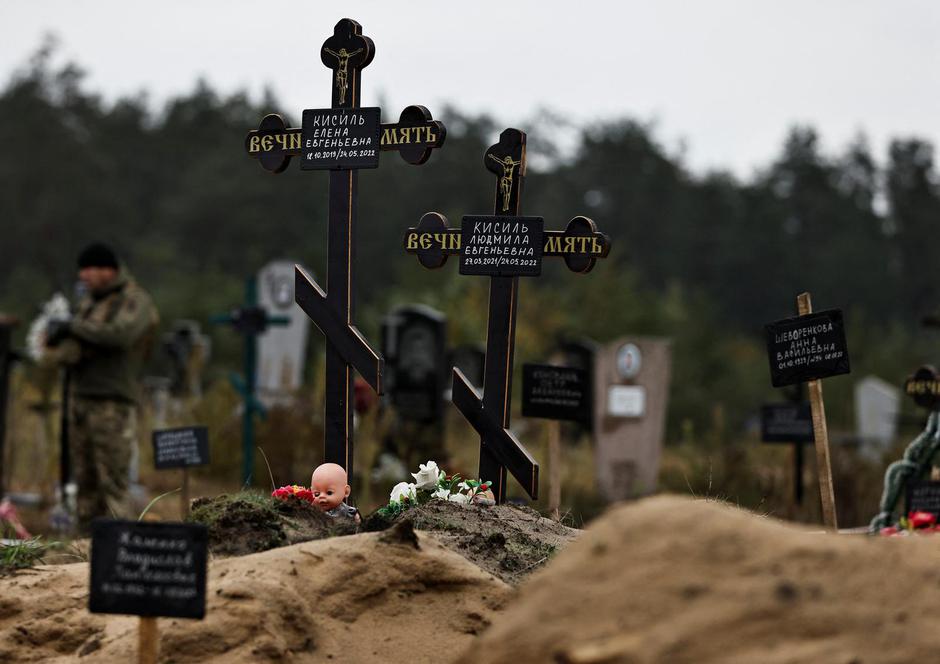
340, 138
924, 387
555, 393
148, 569
924, 496
501, 246
181, 447
787, 423
580, 244
805, 348
347, 52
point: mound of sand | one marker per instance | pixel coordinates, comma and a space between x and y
376, 597
677, 580
507, 541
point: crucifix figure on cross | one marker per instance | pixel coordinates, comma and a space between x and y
342, 139
502, 246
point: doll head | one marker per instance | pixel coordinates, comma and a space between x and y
329, 486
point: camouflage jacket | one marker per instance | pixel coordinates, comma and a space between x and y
110, 335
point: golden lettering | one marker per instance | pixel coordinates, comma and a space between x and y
412, 241
267, 143
425, 240
552, 245
389, 137
432, 138
595, 247
569, 245
295, 141
455, 241
253, 143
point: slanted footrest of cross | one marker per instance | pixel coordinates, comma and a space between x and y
346, 338
499, 441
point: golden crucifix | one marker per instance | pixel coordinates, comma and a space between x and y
505, 180
342, 70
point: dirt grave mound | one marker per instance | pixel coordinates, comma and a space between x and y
678, 580
373, 597
507, 541
247, 522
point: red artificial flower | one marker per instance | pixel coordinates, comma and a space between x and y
921, 519
890, 530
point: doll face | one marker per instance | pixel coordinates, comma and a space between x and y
329, 486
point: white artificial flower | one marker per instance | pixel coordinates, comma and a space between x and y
402, 490
427, 476
461, 498
464, 486
442, 494
57, 308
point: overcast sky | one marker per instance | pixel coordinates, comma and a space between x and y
724, 78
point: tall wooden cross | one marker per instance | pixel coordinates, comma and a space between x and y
342, 139
503, 246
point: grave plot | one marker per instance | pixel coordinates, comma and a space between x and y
503, 247
343, 139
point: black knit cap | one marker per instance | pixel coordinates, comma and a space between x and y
97, 255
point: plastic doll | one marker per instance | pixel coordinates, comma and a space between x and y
330, 490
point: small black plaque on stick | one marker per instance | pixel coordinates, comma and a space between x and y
924, 496
807, 348
148, 569
497, 246
555, 393
180, 448
786, 423
340, 138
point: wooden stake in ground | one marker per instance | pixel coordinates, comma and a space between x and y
554, 468
806, 349
184, 496
148, 641
821, 433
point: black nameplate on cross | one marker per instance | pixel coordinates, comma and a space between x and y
580, 245
342, 139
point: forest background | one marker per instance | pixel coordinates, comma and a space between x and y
704, 259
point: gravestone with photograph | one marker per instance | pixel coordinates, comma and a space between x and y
282, 349
414, 339
631, 388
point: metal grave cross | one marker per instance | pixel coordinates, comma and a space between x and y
342, 139
250, 321
502, 246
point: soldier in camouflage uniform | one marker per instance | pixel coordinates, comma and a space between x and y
103, 345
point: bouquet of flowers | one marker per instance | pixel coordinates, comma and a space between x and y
432, 483
919, 523
295, 490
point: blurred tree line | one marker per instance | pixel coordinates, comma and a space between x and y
704, 259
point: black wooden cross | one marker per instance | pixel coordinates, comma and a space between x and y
504, 247
343, 139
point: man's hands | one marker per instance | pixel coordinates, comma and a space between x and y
57, 331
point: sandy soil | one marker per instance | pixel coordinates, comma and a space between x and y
677, 580
508, 541
372, 597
